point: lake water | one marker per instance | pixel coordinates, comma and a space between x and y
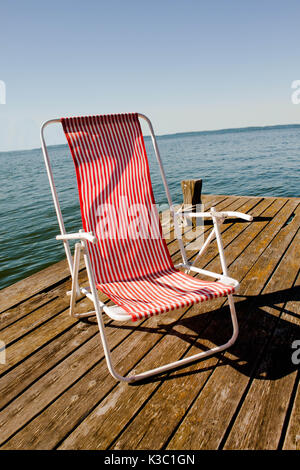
252, 161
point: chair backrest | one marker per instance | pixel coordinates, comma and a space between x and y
116, 197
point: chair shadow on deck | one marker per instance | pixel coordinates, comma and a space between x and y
263, 349
230, 220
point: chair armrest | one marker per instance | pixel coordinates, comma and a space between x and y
221, 277
220, 215
78, 236
238, 215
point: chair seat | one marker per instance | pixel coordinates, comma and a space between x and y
160, 292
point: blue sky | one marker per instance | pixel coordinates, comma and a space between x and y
189, 65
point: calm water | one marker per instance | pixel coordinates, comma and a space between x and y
254, 162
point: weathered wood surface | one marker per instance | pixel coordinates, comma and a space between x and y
191, 190
55, 389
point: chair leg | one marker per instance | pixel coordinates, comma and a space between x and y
74, 291
158, 370
171, 365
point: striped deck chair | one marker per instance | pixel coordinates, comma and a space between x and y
125, 254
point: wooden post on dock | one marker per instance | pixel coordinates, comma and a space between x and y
191, 190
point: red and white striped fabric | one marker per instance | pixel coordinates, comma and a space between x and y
131, 262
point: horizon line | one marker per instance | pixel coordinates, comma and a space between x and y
210, 131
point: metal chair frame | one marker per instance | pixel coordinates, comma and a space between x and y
117, 313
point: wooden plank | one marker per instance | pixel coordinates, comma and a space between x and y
52, 384
262, 414
270, 232
155, 436
30, 305
17, 352
37, 397
58, 272
25, 325
32, 403
222, 393
103, 425
22, 290
84, 404
80, 397
18, 379
12, 384
92, 381
32, 321
110, 417
292, 438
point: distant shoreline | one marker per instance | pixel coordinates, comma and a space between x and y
231, 130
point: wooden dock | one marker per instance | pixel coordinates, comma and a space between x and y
55, 389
